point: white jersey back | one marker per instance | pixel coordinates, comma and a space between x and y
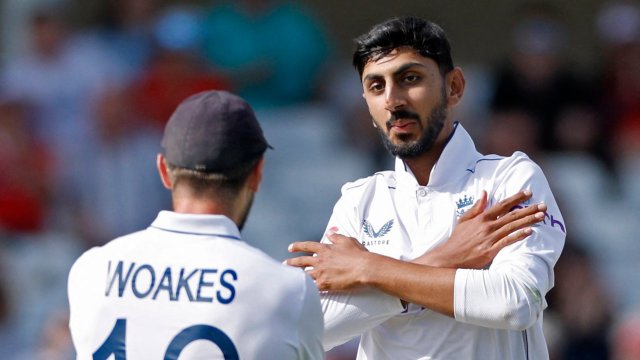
187, 287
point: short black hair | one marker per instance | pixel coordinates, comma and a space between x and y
424, 36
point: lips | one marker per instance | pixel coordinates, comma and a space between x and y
402, 125
402, 120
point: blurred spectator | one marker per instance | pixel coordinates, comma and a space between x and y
343, 96
625, 337
177, 68
121, 192
621, 90
584, 183
55, 339
475, 111
628, 170
273, 51
579, 130
537, 77
37, 265
512, 130
582, 305
58, 78
618, 24
125, 30
24, 181
10, 340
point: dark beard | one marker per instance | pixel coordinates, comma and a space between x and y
413, 149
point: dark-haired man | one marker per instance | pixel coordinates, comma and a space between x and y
188, 287
406, 305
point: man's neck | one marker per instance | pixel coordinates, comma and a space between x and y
422, 165
186, 203
199, 207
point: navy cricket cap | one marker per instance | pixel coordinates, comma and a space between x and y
213, 131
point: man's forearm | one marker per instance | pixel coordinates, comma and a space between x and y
419, 284
342, 263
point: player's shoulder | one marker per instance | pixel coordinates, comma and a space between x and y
385, 178
116, 246
254, 257
83, 268
253, 254
85, 259
291, 281
498, 166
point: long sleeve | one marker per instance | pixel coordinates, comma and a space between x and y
311, 323
349, 314
510, 293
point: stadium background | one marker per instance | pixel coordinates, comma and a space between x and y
81, 112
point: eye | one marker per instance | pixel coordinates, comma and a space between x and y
411, 78
375, 87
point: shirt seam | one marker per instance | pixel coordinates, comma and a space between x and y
195, 233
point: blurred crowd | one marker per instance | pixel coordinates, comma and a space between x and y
82, 109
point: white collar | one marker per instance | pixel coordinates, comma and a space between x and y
196, 224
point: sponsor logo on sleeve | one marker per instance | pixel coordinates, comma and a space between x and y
549, 219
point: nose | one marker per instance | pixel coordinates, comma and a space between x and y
394, 98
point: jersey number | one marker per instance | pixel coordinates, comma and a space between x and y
115, 343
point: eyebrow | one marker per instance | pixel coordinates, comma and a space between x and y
396, 72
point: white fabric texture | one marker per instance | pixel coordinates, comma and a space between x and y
188, 285
498, 310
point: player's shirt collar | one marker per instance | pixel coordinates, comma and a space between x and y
196, 224
458, 155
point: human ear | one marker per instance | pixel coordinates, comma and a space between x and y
164, 173
455, 86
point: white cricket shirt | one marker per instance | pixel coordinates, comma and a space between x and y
188, 286
498, 310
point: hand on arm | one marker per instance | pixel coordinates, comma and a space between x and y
480, 233
346, 264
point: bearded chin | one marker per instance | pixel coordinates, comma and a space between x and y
415, 148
